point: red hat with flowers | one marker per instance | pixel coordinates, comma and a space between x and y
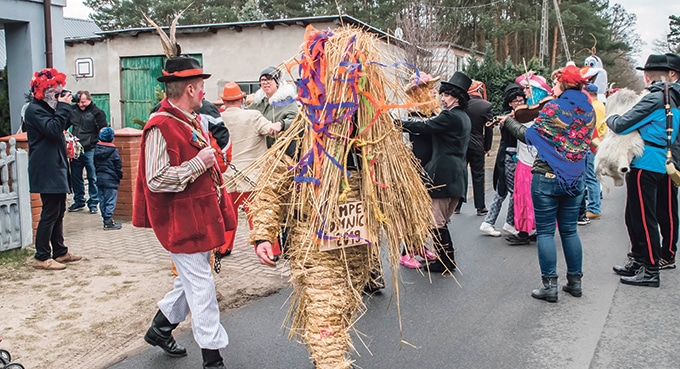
45, 79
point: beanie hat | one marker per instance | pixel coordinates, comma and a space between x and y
106, 134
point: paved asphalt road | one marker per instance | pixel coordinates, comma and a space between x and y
489, 321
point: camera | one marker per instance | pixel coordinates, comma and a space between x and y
76, 98
62, 93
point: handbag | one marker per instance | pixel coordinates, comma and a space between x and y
671, 170
73, 147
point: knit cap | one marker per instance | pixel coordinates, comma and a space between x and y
106, 134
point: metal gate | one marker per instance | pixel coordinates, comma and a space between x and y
138, 75
16, 223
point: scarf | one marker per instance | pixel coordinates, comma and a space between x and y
562, 135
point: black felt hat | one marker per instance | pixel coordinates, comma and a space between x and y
662, 62
181, 67
458, 82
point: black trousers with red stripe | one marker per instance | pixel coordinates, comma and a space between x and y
651, 216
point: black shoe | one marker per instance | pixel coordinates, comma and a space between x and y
666, 264
643, 277
629, 269
160, 334
111, 225
376, 282
73, 208
573, 286
548, 290
583, 221
482, 211
93, 210
212, 359
521, 238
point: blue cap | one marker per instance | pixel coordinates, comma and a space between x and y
106, 134
590, 88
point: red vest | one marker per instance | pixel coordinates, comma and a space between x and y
190, 221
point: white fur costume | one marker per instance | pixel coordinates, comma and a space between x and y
616, 151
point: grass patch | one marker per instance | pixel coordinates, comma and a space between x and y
15, 257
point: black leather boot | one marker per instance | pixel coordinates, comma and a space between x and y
212, 359
548, 291
443, 246
645, 276
629, 269
160, 334
573, 286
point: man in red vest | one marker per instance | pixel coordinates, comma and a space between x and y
179, 195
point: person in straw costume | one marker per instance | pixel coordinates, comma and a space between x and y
352, 166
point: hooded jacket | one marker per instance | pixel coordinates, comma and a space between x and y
108, 164
86, 124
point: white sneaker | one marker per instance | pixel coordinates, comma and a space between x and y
487, 228
510, 229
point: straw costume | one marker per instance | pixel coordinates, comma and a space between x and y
351, 158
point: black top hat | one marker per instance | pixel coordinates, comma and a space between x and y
662, 62
181, 67
674, 61
459, 82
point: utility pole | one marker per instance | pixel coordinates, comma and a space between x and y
543, 48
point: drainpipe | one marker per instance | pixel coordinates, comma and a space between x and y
48, 33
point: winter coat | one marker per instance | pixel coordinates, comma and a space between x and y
48, 166
281, 107
108, 164
450, 132
87, 124
481, 136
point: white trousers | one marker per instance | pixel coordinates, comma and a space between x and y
194, 291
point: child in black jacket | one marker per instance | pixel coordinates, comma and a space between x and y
109, 172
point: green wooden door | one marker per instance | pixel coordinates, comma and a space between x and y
140, 87
139, 84
103, 102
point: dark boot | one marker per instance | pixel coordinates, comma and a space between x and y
375, 283
573, 286
111, 225
443, 246
645, 276
160, 334
629, 269
522, 238
548, 291
212, 359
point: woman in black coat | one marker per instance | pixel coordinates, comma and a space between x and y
450, 132
45, 119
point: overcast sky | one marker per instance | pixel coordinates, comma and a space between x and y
652, 18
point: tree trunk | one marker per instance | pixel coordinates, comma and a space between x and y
554, 49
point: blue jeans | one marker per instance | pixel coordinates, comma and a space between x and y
552, 204
107, 203
592, 185
84, 161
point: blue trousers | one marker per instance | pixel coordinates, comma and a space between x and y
553, 205
107, 202
84, 161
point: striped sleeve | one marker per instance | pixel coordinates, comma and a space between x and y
160, 175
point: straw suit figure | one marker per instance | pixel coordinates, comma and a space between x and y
339, 181
249, 128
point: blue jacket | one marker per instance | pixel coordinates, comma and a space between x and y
649, 117
108, 164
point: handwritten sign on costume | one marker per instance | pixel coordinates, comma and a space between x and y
348, 228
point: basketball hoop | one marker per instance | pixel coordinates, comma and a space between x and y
78, 76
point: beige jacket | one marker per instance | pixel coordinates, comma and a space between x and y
248, 130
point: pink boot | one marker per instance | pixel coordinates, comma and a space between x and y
410, 262
426, 254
